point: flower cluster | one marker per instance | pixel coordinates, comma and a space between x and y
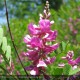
69, 58
37, 44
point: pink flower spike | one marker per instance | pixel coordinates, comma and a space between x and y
41, 64
39, 44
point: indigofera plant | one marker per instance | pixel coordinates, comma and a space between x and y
38, 49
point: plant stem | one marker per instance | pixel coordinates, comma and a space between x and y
13, 40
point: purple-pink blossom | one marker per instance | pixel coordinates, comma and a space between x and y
44, 25
71, 61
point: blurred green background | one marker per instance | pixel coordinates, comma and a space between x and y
65, 13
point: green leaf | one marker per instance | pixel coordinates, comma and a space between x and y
78, 37
63, 45
4, 44
8, 52
66, 69
69, 47
72, 72
1, 35
57, 71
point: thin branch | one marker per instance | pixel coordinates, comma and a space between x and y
13, 40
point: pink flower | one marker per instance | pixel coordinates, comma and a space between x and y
74, 62
33, 42
51, 36
50, 60
75, 31
35, 71
44, 25
33, 29
48, 49
71, 61
36, 42
32, 55
27, 39
69, 55
41, 64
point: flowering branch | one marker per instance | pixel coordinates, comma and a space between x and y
37, 43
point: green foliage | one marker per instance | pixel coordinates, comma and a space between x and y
74, 71
57, 71
63, 45
68, 70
